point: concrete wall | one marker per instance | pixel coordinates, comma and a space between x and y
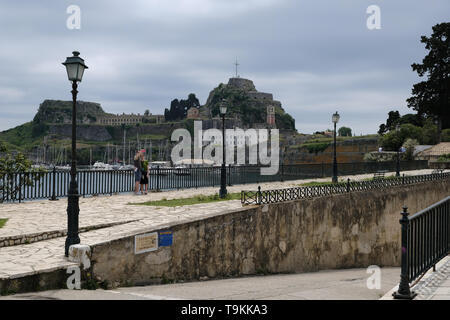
341, 231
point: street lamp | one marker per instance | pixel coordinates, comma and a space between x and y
75, 68
397, 173
335, 119
223, 174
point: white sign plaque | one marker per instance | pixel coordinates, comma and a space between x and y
145, 242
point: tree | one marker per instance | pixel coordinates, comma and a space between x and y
147, 113
392, 120
345, 132
409, 146
445, 135
10, 168
414, 119
178, 108
382, 129
431, 98
429, 133
394, 139
391, 141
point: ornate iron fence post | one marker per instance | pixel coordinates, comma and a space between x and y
111, 183
157, 178
259, 200
403, 179
348, 184
20, 187
282, 173
229, 174
403, 289
53, 198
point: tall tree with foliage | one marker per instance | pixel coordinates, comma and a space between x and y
345, 132
178, 108
15, 173
432, 97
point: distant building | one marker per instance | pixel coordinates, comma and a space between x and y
271, 115
433, 153
193, 113
130, 119
329, 133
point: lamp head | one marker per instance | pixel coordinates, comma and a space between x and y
75, 67
335, 118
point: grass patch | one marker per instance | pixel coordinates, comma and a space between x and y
3, 222
189, 201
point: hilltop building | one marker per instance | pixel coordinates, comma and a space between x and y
193, 113
130, 119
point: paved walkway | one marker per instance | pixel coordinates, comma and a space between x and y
40, 217
434, 285
322, 285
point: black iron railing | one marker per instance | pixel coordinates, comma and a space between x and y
425, 241
54, 184
296, 193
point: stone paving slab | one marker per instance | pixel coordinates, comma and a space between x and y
41, 216
434, 285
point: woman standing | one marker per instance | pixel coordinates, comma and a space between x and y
144, 177
137, 172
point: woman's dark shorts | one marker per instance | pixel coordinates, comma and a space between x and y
137, 175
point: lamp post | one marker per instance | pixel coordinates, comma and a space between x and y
397, 173
223, 174
335, 119
75, 68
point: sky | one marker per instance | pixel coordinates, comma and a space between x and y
315, 56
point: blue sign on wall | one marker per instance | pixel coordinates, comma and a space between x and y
165, 238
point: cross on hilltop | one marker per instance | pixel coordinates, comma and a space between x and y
236, 64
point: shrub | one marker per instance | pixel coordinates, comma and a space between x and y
445, 135
409, 145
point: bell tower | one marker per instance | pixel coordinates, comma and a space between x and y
271, 115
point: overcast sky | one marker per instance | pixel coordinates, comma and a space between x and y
315, 56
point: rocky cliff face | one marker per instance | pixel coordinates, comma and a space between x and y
57, 111
246, 103
84, 132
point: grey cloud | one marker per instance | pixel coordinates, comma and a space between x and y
314, 56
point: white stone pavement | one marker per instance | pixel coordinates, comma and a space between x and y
434, 285
42, 216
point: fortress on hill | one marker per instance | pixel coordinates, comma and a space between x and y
247, 107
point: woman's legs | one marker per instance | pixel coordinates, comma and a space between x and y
136, 187
137, 179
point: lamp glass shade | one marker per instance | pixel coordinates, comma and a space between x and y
335, 117
223, 110
75, 67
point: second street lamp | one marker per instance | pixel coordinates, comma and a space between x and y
75, 69
223, 173
335, 119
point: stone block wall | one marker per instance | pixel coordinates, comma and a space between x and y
351, 230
